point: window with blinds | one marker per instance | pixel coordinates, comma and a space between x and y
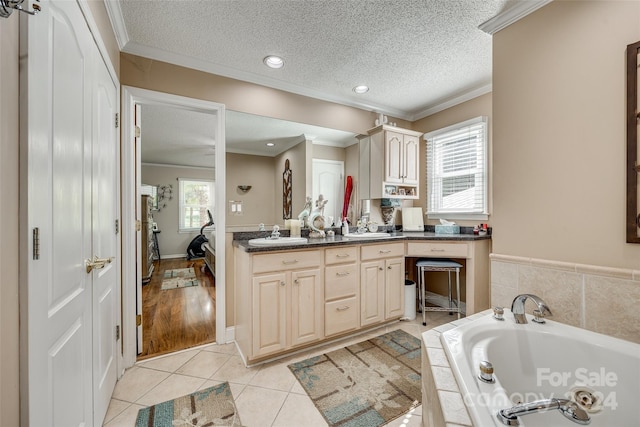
457, 171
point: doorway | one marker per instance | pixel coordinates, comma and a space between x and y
132, 295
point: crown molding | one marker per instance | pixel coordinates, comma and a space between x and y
511, 15
117, 22
452, 102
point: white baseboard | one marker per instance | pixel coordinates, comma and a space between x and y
230, 334
172, 256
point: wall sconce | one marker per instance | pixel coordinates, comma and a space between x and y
244, 188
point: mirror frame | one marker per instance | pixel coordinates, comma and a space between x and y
632, 165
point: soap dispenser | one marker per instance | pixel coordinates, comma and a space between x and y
345, 227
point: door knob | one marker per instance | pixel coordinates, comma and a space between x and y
97, 263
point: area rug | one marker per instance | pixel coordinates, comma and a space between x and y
179, 278
213, 406
185, 273
366, 384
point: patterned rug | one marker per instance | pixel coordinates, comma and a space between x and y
365, 384
179, 278
213, 406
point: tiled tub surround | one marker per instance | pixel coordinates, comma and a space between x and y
531, 371
600, 299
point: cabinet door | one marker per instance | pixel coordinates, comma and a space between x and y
393, 157
371, 292
394, 287
269, 313
411, 151
307, 306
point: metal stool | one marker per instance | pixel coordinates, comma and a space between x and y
438, 264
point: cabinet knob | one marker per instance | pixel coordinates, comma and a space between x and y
380, 268
281, 283
389, 267
293, 261
342, 273
343, 308
296, 281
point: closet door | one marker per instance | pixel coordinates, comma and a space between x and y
68, 322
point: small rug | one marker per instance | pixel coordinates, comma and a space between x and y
366, 384
213, 406
179, 278
185, 273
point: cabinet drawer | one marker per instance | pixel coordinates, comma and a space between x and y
286, 261
381, 251
436, 249
340, 316
340, 255
340, 281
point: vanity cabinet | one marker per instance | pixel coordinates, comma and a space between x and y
341, 290
389, 163
285, 302
381, 282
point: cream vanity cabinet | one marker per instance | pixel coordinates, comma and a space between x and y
284, 305
381, 282
389, 163
341, 290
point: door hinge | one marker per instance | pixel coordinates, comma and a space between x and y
117, 120
117, 332
138, 131
117, 226
36, 243
138, 225
138, 319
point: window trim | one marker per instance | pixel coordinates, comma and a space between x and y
461, 215
182, 229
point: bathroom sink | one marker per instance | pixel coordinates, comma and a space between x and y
366, 235
267, 241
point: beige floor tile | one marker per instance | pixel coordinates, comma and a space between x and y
169, 363
229, 348
298, 389
174, 386
234, 371
274, 376
127, 418
115, 408
137, 382
204, 364
410, 419
258, 407
299, 410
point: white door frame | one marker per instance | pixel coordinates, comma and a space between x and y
130, 97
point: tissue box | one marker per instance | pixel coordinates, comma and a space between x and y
447, 229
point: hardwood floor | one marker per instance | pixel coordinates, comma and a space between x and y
176, 319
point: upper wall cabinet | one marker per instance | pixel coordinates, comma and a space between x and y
389, 163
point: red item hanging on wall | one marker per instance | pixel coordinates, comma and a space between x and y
347, 197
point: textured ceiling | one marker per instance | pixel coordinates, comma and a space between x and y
413, 54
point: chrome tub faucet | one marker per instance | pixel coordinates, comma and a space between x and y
568, 408
517, 307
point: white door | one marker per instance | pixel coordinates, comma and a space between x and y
328, 180
105, 226
69, 315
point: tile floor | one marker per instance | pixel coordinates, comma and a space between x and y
267, 395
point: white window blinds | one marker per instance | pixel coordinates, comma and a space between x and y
457, 170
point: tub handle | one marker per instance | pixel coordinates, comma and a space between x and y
486, 372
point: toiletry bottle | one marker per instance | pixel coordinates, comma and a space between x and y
345, 227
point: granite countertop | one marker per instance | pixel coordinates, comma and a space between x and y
242, 240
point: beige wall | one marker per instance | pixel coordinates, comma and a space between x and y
9, 243
241, 96
171, 241
480, 106
559, 134
258, 204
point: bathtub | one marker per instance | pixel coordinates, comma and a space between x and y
540, 361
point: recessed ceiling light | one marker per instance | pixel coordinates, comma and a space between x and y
361, 89
273, 61
270, 144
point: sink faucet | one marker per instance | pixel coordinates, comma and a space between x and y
568, 408
517, 307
